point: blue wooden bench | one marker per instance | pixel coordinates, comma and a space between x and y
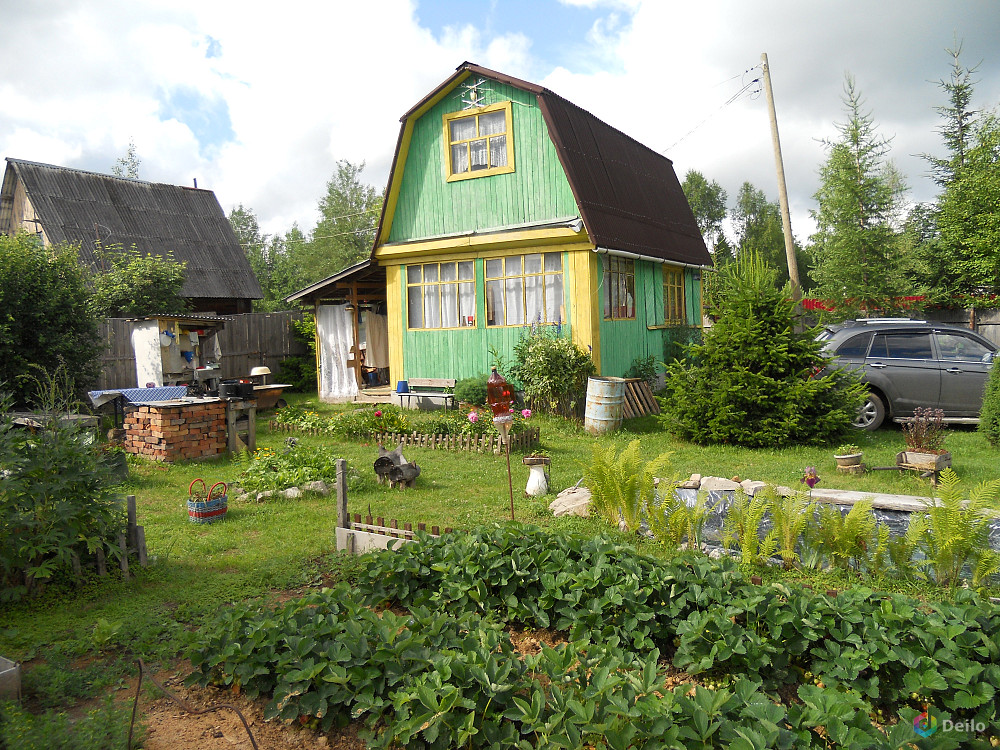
432, 388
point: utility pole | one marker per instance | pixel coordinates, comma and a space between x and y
786, 220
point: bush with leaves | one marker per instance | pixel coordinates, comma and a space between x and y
300, 370
752, 381
552, 369
472, 390
45, 317
989, 416
57, 500
129, 282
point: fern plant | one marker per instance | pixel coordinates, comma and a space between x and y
789, 516
742, 527
846, 537
954, 531
668, 520
621, 483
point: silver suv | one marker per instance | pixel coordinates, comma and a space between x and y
909, 363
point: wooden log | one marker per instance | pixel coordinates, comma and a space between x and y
343, 520
140, 539
123, 546
131, 510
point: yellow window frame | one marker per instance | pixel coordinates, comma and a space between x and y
674, 310
523, 276
435, 287
508, 133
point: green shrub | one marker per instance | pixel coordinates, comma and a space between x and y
553, 371
268, 469
472, 390
751, 382
103, 728
989, 417
57, 499
45, 320
364, 422
300, 370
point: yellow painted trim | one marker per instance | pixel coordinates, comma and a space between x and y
319, 347
476, 244
584, 321
392, 197
394, 311
461, 114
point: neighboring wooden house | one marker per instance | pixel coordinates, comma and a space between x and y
69, 205
509, 206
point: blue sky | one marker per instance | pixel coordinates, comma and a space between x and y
259, 100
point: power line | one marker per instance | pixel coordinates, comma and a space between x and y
754, 83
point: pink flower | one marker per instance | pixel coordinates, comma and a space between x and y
473, 417
526, 413
378, 413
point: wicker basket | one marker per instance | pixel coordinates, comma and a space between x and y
207, 508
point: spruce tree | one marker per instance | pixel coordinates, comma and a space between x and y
856, 246
752, 380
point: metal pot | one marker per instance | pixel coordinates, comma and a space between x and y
229, 389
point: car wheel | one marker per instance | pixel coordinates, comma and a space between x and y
871, 415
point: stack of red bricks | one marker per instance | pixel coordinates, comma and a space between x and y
177, 431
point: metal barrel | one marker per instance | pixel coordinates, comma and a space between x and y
605, 399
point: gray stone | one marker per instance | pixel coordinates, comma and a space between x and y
292, 492
262, 496
319, 486
574, 501
718, 484
750, 486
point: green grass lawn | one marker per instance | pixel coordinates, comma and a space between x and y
282, 544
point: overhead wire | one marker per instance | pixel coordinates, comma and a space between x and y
754, 83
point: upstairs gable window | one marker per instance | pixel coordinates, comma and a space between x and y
479, 142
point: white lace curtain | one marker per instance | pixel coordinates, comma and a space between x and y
337, 381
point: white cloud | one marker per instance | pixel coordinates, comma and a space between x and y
307, 83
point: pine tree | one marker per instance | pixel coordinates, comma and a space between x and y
856, 245
749, 382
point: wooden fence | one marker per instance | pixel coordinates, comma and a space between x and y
477, 443
357, 536
247, 341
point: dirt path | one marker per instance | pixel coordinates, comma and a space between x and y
169, 727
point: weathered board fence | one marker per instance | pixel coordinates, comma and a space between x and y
462, 442
247, 341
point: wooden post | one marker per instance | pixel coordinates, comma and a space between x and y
123, 546
132, 541
786, 221
343, 520
140, 545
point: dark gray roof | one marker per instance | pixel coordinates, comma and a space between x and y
76, 207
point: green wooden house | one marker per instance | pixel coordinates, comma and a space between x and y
509, 206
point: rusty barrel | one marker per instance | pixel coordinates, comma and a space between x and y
605, 400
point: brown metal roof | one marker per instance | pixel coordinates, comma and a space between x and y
629, 196
76, 207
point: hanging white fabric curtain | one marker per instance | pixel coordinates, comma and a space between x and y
336, 337
377, 330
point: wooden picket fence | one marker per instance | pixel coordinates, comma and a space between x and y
357, 536
472, 443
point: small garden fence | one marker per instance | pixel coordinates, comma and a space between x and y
461, 442
356, 536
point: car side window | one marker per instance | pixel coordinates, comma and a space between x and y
902, 346
958, 348
856, 346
